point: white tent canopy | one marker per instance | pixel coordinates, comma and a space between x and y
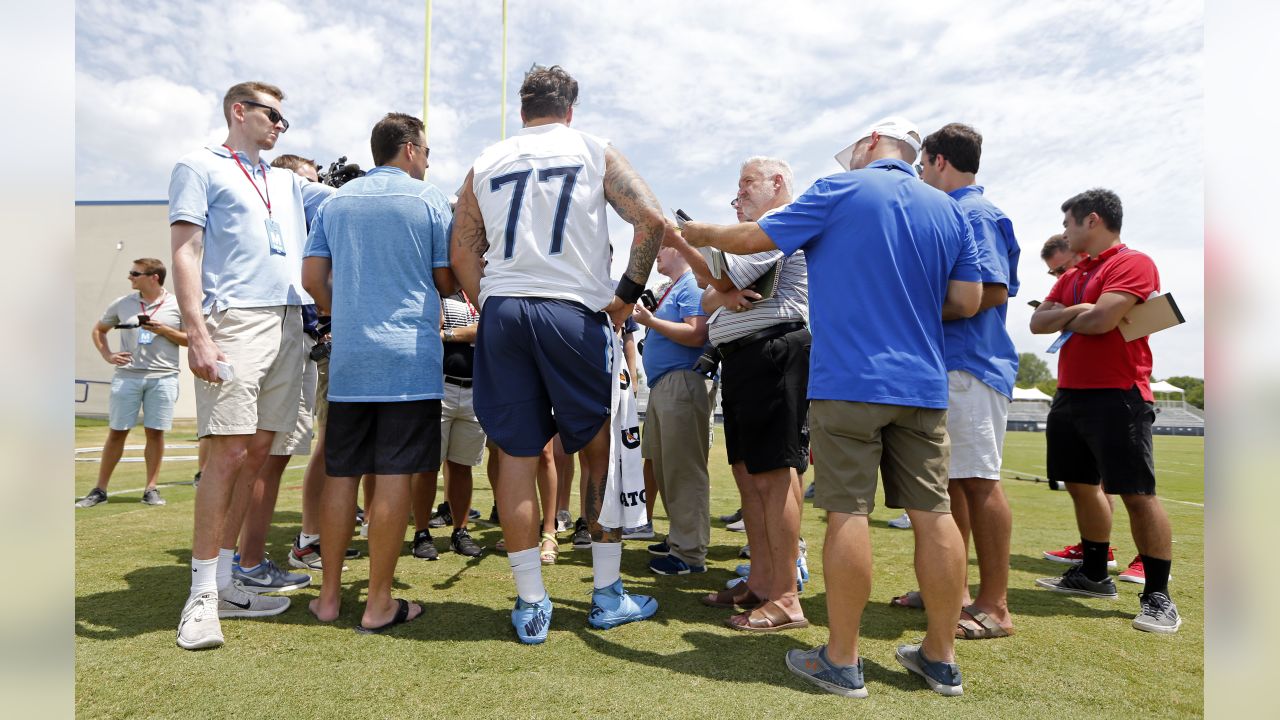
1164, 387
1029, 394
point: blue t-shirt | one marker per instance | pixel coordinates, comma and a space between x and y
661, 354
981, 345
881, 246
384, 232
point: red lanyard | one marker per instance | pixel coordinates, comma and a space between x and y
471, 310
670, 287
163, 296
1079, 292
266, 200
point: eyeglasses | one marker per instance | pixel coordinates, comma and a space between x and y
272, 114
426, 151
135, 273
1058, 271
919, 169
733, 203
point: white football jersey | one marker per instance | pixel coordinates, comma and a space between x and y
541, 193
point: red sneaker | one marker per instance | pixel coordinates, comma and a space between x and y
1074, 555
1135, 572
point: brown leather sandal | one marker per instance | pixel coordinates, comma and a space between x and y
737, 596
767, 618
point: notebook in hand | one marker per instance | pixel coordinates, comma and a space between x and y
1156, 314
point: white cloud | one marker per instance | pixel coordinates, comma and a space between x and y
1068, 96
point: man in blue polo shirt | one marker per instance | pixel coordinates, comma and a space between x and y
385, 238
237, 228
888, 256
677, 420
981, 367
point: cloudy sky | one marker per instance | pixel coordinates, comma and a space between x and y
1067, 95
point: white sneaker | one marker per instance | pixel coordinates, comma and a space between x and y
902, 522
234, 602
198, 628
740, 526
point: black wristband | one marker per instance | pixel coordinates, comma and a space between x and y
629, 290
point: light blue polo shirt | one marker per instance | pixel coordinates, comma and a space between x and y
881, 246
661, 354
384, 233
239, 270
981, 345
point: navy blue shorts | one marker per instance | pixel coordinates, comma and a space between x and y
535, 356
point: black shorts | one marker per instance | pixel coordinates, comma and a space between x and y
1102, 436
383, 438
764, 390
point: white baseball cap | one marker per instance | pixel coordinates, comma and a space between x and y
894, 126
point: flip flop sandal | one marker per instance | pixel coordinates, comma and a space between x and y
548, 557
401, 617
980, 626
912, 600
737, 596
772, 618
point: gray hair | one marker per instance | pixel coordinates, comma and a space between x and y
773, 166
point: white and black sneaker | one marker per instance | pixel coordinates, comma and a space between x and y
151, 496
198, 628
234, 602
1159, 614
96, 496
1075, 582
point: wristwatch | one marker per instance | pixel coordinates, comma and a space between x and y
448, 335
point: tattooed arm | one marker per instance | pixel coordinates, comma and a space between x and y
635, 203
469, 241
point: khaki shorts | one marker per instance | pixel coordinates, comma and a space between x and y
322, 393
851, 440
265, 347
462, 440
298, 442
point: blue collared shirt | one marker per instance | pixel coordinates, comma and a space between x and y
981, 345
662, 354
881, 248
239, 270
385, 233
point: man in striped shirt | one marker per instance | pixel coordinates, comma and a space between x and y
764, 377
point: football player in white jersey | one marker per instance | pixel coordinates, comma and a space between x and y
530, 240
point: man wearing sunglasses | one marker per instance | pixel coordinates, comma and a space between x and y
146, 376
238, 228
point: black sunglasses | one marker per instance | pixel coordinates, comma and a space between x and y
135, 273
272, 114
426, 151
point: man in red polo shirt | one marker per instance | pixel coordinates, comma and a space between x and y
1099, 426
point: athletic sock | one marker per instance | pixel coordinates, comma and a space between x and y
1095, 559
1157, 572
204, 576
305, 539
606, 563
225, 559
527, 567
249, 569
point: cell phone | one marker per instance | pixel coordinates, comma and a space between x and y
1034, 303
649, 300
682, 217
144, 319
225, 371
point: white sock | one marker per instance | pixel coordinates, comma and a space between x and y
527, 567
606, 561
305, 539
244, 568
225, 558
204, 576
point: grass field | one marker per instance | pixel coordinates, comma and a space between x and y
1070, 656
